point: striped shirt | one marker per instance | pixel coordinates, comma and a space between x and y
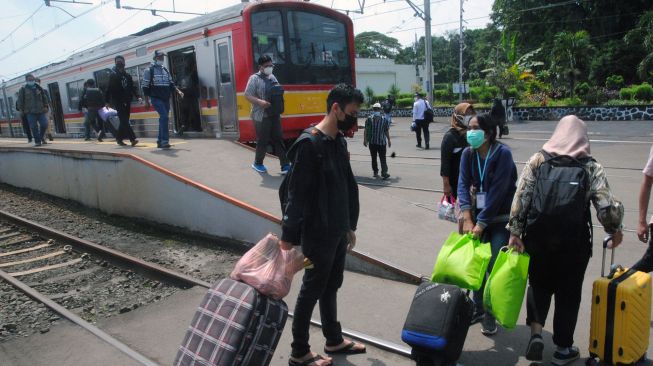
376, 127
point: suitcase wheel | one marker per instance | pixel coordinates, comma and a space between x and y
592, 362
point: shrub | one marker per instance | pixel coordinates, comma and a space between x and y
614, 82
582, 89
597, 96
626, 93
405, 102
622, 102
535, 86
394, 90
512, 92
644, 92
405, 95
444, 95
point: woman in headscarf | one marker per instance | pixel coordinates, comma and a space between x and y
556, 231
453, 144
486, 185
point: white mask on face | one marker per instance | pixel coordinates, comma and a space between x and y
268, 70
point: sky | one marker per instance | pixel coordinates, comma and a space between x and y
52, 35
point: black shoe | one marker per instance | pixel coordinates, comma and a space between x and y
561, 359
165, 146
29, 141
419, 146
535, 348
477, 316
427, 146
87, 139
44, 142
50, 137
376, 175
385, 176
121, 143
134, 142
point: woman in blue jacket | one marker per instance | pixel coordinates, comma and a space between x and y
486, 186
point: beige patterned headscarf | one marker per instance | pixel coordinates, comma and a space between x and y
569, 138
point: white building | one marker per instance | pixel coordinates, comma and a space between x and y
380, 74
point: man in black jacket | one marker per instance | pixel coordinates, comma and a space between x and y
119, 97
321, 214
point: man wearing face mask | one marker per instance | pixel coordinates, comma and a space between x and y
33, 102
319, 200
158, 86
267, 124
118, 96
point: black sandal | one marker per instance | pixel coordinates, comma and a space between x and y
347, 350
307, 362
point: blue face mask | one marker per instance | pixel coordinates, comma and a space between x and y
31, 83
475, 138
377, 113
159, 62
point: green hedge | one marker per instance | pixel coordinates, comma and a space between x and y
644, 92
405, 102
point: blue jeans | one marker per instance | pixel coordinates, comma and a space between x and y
498, 236
38, 123
388, 116
162, 107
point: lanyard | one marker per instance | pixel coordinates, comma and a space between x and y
481, 172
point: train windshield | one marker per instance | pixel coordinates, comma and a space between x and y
307, 48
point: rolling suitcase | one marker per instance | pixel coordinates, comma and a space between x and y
621, 315
437, 323
234, 325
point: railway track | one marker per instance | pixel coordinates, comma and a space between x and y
53, 268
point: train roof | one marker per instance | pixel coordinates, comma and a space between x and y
157, 32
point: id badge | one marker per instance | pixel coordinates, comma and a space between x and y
480, 200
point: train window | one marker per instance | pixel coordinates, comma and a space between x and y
74, 90
225, 65
318, 45
268, 39
3, 110
102, 79
136, 73
10, 100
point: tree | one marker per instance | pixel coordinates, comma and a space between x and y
369, 93
643, 37
394, 90
376, 45
571, 55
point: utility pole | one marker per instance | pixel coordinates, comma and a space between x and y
462, 48
428, 54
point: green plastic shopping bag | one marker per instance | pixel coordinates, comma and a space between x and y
462, 261
506, 286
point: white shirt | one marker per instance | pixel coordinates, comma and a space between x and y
419, 107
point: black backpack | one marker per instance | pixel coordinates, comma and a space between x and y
273, 94
429, 115
559, 214
94, 98
316, 140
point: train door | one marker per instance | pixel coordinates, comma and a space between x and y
183, 66
57, 108
226, 88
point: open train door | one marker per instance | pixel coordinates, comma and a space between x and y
57, 108
227, 102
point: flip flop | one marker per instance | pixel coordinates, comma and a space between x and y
307, 362
347, 350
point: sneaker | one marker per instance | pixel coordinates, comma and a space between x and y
489, 325
121, 143
418, 146
427, 147
165, 146
565, 356
477, 316
376, 175
285, 169
535, 348
385, 176
44, 142
259, 168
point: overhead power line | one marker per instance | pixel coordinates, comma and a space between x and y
21, 24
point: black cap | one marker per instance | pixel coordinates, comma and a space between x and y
158, 53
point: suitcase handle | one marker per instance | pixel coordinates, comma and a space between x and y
606, 241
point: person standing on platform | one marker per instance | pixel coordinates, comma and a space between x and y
388, 104
48, 133
158, 86
321, 214
645, 229
33, 102
268, 126
421, 125
118, 96
377, 135
452, 146
92, 100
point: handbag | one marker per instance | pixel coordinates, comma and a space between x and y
462, 261
447, 209
506, 286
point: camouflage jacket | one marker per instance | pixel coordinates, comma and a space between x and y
609, 210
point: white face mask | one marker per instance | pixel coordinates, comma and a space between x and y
159, 62
268, 70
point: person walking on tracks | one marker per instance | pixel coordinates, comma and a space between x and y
266, 115
486, 185
158, 86
319, 200
33, 102
550, 219
377, 136
422, 117
118, 96
92, 100
644, 229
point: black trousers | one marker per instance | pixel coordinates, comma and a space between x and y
268, 131
124, 129
560, 275
320, 283
422, 127
379, 150
26, 129
646, 263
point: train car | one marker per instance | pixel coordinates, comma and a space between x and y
211, 57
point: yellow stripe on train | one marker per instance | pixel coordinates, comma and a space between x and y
297, 103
